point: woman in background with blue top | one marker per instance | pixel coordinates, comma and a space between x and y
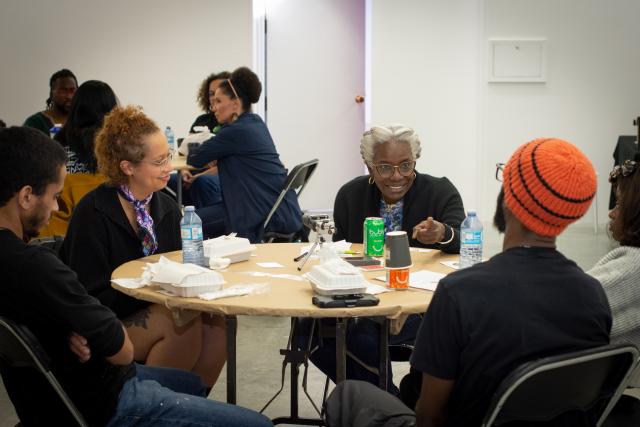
251, 173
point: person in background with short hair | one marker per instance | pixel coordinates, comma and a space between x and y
428, 208
92, 101
128, 218
90, 351
251, 173
62, 86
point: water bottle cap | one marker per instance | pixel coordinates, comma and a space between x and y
471, 212
189, 208
168, 128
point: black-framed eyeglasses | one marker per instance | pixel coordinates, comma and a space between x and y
627, 168
499, 171
160, 163
386, 170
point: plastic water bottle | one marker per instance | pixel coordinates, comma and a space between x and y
54, 130
470, 240
191, 233
170, 138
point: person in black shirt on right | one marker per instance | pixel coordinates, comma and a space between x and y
526, 303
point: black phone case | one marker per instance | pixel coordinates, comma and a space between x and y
338, 301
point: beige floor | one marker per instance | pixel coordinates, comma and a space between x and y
259, 339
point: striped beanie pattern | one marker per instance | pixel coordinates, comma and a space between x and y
548, 184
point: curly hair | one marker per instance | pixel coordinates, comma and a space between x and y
625, 228
245, 84
122, 138
203, 91
380, 134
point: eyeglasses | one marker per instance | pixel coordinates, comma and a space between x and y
160, 163
627, 168
387, 171
499, 171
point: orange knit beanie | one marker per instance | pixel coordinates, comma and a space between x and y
548, 184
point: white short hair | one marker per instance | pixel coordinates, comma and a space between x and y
380, 134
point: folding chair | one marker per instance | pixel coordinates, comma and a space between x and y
52, 242
296, 180
588, 381
21, 357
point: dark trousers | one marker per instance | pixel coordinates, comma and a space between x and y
362, 346
360, 404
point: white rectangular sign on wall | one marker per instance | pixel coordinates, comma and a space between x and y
517, 61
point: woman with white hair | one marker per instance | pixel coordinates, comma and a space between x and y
429, 209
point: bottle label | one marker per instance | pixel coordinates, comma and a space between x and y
191, 233
472, 237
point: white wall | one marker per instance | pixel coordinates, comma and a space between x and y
152, 53
424, 71
429, 72
592, 91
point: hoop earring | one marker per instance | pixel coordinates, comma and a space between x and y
371, 180
234, 117
415, 175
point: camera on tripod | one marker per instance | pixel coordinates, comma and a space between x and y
320, 223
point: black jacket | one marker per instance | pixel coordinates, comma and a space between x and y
100, 239
428, 197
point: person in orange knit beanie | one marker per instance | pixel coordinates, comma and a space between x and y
525, 303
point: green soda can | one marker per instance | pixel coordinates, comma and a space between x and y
373, 236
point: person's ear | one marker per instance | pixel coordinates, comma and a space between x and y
369, 168
26, 197
127, 167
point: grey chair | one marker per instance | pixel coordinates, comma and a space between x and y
296, 180
33, 389
584, 383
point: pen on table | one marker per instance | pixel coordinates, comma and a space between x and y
349, 252
299, 257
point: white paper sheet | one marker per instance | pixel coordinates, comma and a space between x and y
269, 264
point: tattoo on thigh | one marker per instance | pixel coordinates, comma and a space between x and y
139, 319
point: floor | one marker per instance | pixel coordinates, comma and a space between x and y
259, 339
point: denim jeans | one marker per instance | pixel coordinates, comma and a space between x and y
145, 400
204, 191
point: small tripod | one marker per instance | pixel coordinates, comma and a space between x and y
320, 239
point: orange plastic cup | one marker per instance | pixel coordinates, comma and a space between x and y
398, 278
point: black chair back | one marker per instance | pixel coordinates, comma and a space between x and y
296, 180
23, 363
587, 382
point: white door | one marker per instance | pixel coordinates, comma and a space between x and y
315, 68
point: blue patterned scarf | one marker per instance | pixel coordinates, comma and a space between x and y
145, 223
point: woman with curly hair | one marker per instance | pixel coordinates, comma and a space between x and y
127, 218
201, 188
206, 91
251, 173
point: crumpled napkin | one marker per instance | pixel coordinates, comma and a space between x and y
167, 271
199, 138
219, 263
